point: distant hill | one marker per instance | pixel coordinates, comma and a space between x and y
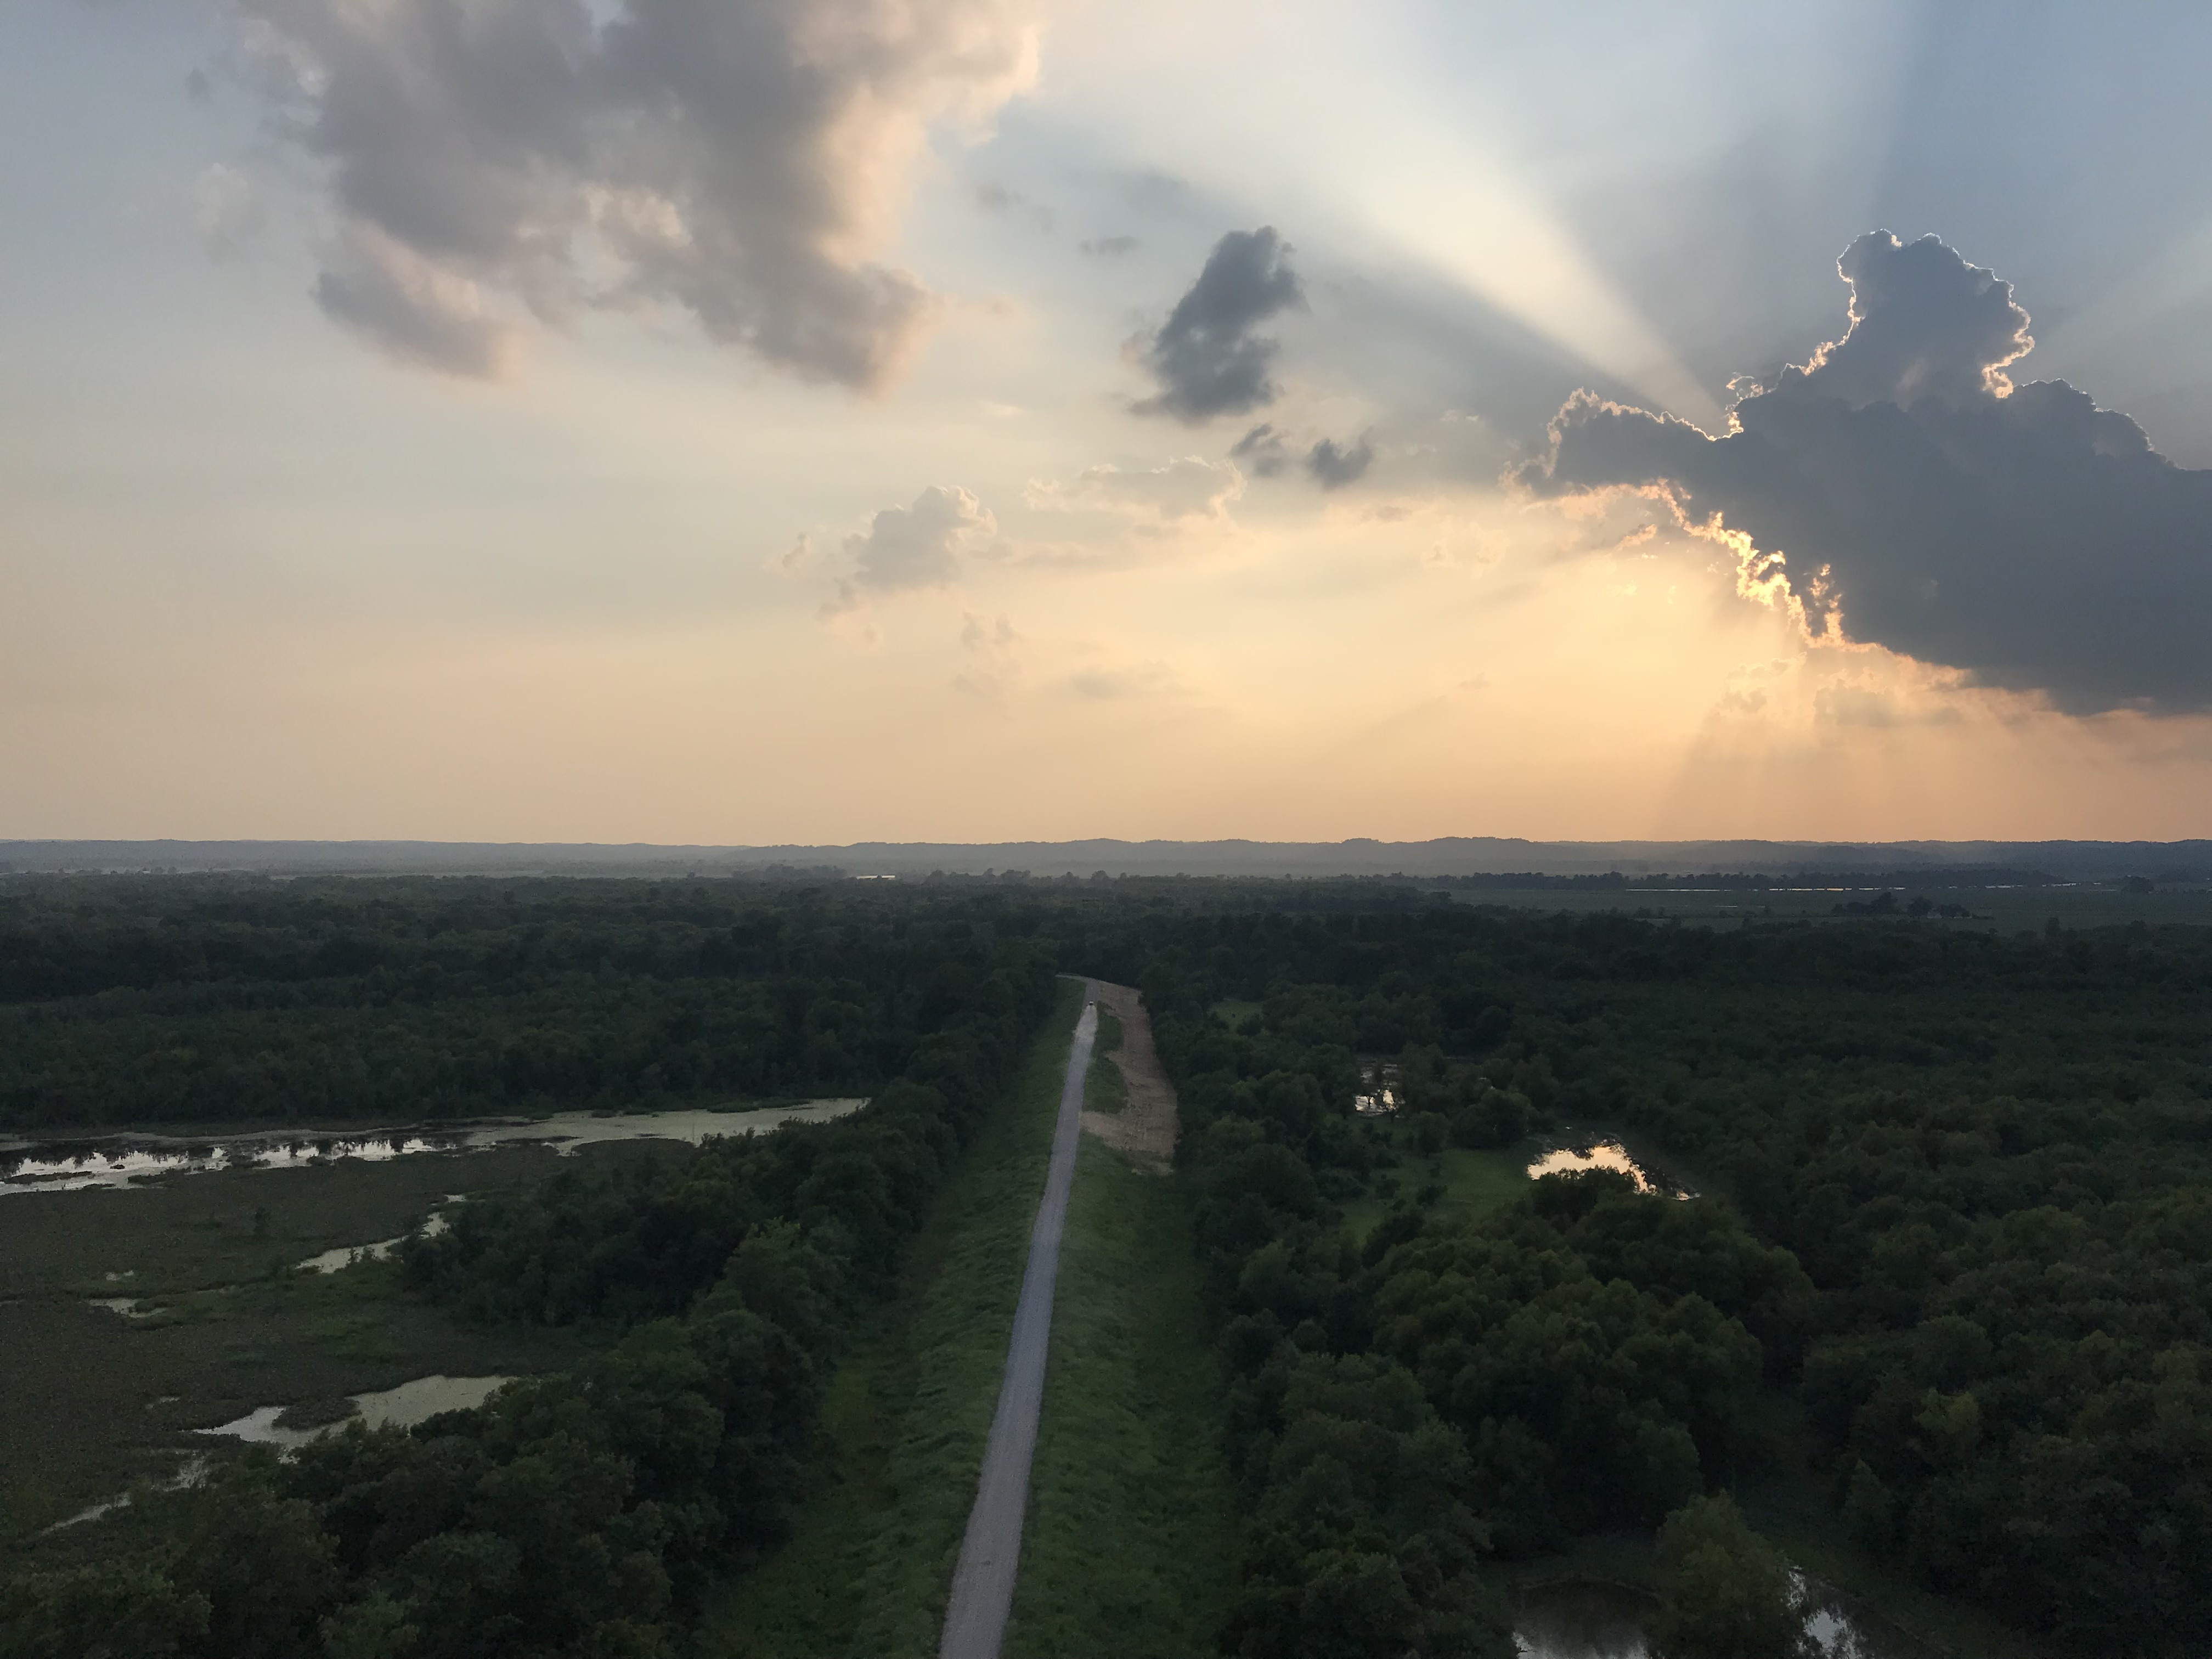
1454, 855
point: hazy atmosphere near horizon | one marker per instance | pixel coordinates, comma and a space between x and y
959, 420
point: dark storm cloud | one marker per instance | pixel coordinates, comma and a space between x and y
1206, 356
2021, 534
1333, 466
728, 157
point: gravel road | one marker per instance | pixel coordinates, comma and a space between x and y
983, 1582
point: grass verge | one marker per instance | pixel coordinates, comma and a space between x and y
1104, 1089
893, 1475
1132, 1536
1474, 1183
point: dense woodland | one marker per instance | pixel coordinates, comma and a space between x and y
1962, 1212
581, 1513
218, 999
1954, 1238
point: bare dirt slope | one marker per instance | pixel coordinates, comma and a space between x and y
1144, 1130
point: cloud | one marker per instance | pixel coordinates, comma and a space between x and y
1206, 356
1899, 482
1262, 449
1858, 704
742, 160
1144, 679
1109, 247
992, 643
908, 548
414, 309
1186, 488
1333, 466
1003, 199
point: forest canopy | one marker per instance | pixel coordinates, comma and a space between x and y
1951, 1250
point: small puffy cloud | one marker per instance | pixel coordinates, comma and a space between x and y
1902, 485
1189, 487
1206, 357
1002, 199
1109, 247
1263, 450
909, 548
742, 160
1333, 466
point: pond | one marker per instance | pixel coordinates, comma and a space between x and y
402, 1407
1380, 1081
1601, 1154
1606, 1622
125, 1162
345, 1256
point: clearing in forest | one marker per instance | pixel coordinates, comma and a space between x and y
1144, 1130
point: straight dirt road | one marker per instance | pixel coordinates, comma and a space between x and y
991, 1554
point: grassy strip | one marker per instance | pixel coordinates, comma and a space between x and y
1104, 1090
1132, 1532
893, 1476
1474, 1183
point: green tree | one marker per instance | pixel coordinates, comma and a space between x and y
1727, 1593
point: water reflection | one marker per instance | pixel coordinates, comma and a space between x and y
402, 1407
1380, 1080
1606, 1622
345, 1256
127, 1162
1582, 1621
1604, 1155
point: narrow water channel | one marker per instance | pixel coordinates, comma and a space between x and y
125, 1162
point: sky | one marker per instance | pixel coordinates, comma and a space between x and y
814, 421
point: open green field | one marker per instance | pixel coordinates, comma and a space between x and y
96, 1400
893, 1476
1133, 1523
2004, 910
1474, 1183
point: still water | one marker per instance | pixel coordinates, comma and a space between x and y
1604, 1155
402, 1407
127, 1162
1606, 1621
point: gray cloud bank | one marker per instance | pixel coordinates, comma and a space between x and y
498, 162
1206, 357
2020, 533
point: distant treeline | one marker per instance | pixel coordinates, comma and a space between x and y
582, 1513
1928, 877
208, 999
